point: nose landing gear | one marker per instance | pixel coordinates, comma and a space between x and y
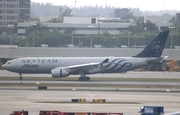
20, 78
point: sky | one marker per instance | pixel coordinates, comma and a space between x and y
144, 5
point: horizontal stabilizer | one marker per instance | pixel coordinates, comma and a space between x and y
150, 61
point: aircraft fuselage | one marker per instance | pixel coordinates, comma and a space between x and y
45, 65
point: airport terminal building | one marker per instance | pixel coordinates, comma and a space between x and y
12, 11
87, 25
82, 25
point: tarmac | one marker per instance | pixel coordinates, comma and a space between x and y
129, 74
125, 100
36, 100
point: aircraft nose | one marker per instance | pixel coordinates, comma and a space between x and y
4, 66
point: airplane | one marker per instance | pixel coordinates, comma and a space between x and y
64, 66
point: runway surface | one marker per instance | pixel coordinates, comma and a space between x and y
31, 99
130, 74
97, 82
166, 75
35, 100
117, 89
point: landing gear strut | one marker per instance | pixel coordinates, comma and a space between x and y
83, 77
20, 78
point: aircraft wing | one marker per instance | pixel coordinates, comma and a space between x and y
84, 67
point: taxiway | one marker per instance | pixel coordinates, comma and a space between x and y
124, 100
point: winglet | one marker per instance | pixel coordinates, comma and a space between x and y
105, 61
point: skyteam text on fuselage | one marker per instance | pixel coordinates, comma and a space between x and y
65, 66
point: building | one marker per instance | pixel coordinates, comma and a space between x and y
153, 19
89, 25
12, 11
83, 25
157, 20
44, 19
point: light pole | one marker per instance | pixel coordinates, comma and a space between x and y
128, 39
171, 27
10, 26
178, 21
91, 35
33, 24
72, 41
75, 6
99, 30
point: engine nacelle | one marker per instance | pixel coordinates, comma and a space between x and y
57, 73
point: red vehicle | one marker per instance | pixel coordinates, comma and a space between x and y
49, 113
19, 112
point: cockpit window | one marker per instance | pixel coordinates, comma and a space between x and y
8, 62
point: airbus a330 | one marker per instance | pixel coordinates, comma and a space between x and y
64, 66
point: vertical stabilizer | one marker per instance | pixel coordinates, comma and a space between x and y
155, 48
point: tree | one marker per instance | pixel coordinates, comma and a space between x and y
136, 28
166, 17
54, 20
150, 26
139, 19
69, 30
51, 40
172, 20
106, 33
62, 14
123, 13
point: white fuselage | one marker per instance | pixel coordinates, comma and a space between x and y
45, 65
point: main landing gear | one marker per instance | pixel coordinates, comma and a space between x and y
20, 78
84, 78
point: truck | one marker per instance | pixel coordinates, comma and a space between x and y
152, 110
19, 113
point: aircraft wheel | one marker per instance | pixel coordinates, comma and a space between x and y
81, 79
87, 78
20, 78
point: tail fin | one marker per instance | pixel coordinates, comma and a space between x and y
155, 48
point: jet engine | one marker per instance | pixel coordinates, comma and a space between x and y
57, 73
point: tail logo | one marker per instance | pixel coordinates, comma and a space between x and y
157, 46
